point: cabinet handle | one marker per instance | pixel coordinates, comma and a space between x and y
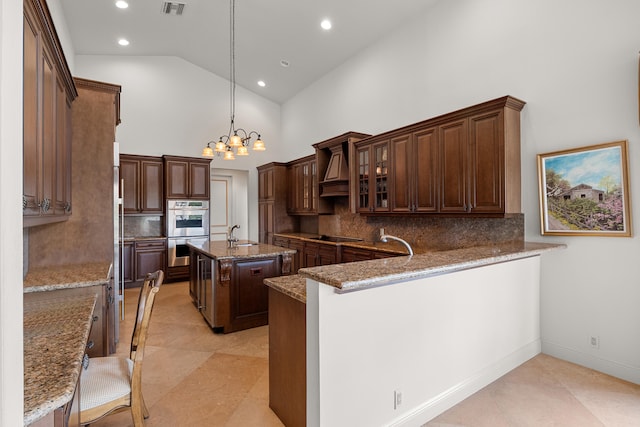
95, 318
85, 361
258, 271
24, 202
90, 344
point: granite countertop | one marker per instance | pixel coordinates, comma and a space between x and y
219, 250
66, 276
366, 274
55, 337
392, 247
294, 285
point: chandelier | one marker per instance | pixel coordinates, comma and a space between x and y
237, 140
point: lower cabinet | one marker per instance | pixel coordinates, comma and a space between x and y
140, 257
151, 255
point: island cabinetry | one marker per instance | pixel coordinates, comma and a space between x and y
462, 163
142, 184
187, 177
48, 92
227, 284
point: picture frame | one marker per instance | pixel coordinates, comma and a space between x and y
585, 191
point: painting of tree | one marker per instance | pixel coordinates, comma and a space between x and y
584, 191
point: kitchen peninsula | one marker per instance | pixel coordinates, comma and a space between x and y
432, 328
227, 281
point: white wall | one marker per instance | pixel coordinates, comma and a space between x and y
11, 357
436, 340
170, 106
575, 63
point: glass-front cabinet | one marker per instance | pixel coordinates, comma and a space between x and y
372, 167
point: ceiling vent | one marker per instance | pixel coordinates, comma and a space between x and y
173, 8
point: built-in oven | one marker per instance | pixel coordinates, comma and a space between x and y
187, 218
187, 222
178, 250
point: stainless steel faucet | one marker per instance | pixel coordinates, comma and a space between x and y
232, 239
385, 237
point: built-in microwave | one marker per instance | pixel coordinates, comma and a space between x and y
187, 218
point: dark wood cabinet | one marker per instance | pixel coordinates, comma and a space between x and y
316, 254
150, 256
303, 197
413, 172
142, 184
272, 202
48, 91
127, 260
187, 177
249, 296
462, 163
372, 176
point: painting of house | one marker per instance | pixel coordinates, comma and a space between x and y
584, 191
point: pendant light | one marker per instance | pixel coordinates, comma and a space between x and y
237, 140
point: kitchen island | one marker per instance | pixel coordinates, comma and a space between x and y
397, 341
227, 282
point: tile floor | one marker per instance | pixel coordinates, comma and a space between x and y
193, 377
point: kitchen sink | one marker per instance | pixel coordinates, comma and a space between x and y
337, 239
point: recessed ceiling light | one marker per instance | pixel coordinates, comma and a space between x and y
121, 4
123, 42
261, 83
325, 24
284, 63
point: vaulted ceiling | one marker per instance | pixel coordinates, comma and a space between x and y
268, 33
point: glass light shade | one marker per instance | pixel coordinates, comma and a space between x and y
207, 151
220, 147
235, 141
228, 155
259, 145
243, 151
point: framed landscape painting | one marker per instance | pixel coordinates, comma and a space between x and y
585, 191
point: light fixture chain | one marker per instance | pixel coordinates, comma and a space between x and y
232, 61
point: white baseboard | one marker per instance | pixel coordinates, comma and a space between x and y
456, 394
609, 367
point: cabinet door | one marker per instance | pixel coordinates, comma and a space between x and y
266, 223
151, 255
311, 254
48, 133
453, 166
31, 151
425, 173
266, 184
177, 179
127, 260
249, 295
327, 254
350, 254
130, 175
199, 177
380, 156
363, 155
486, 147
402, 174
62, 168
298, 258
151, 186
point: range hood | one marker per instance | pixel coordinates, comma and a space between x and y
336, 176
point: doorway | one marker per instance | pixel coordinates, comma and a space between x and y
229, 203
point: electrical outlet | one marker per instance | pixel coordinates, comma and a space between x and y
397, 399
594, 341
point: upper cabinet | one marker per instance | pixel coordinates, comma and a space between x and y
142, 184
461, 163
272, 202
48, 92
303, 198
186, 177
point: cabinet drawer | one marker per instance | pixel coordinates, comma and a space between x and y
151, 244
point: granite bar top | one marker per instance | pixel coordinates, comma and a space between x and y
220, 250
366, 274
294, 285
392, 247
66, 276
55, 338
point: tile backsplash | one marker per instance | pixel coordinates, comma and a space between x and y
425, 233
